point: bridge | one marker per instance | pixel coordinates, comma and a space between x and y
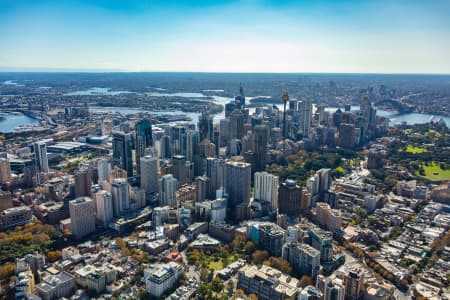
399, 106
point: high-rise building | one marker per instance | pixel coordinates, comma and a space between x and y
201, 188
103, 170
166, 149
266, 188
354, 284
82, 216
167, 188
271, 237
120, 196
192, 141
122, 145
322, 211
347, 137
40, 156
149, 173
104, 206
179, 170
322, 241
334, 219
236, 124
238, 180
5, 171
289, 198
334, 290
305, 117
144, 139
261, 134
302, 257
215, 171
83, 182
325, 181
205, 126
179, 139
240, 99
5, 200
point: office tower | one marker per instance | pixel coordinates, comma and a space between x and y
323, 114
285, 99
322, 211
302, 257
205, 126
240, 100
83, 182
165, 151
122, 145
334, 290
324, 180
238, 180
82, 216
313, 184
144, 139
179, 139
179, 170
236, 124
305, 117
120, 196
235, 147
266, 188
224, 131
104, 206
354, 284
40, 156
5, 171
103, 169
215, 171
167, 188
271, 237
289, 198
149, 173
138, 196
347, 135
192, 141
201, 188
261, 137
323, 241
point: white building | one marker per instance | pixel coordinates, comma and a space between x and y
161, 278
104, 207
120, 196
149, 173
167, 188
40, 156
82, 216
266, 188
104, 169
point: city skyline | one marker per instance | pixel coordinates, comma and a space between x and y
226, 36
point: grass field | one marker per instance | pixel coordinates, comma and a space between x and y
415, 150
435, 173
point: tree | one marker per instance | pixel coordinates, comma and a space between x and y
204, 274
259, 256
217, 285
305, 281
280, 264
249, 247
53, 256
6, 271
252, 297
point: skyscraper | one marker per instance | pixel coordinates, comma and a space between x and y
5, 171
149, 173
266, 188
122, 151
83, 182
215, 171
120, 196
167, 188
82, 216
238, 180
261, 137
104, 206
179, 170
289, 198
144, 139
305, 117
236, 124
240, 99
179, 139
205, 126
40, 156
103, 170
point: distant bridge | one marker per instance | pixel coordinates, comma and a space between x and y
399, 106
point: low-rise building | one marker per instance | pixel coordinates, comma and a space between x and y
161, 278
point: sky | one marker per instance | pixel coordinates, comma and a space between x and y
340, 36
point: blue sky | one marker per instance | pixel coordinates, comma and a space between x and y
382, 36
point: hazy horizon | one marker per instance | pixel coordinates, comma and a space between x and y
345, 36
